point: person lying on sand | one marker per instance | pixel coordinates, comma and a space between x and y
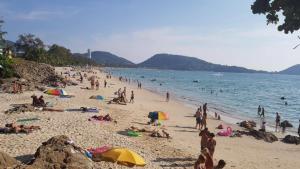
13, 128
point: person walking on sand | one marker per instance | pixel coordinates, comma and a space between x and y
211, 144
204, 138
167, 97
97, 85
105, 83
258, 110
198, 119
131, 97
277, 121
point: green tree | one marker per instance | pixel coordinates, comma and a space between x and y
31, 46
6, 69
273, 9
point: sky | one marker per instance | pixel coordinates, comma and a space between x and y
219, 31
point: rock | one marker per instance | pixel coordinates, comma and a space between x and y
286, 123
266, 136
248, 124
291, 139
6, 161
60, 152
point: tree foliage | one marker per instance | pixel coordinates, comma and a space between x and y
6, 69
273, 9
33, 48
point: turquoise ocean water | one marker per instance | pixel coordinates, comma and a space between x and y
235, 95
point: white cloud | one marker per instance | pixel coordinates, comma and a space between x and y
264, 49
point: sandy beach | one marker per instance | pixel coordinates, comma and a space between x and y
179, 152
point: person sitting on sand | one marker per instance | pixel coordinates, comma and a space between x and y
199, 119
221, 164
131, 97
200, 163
211, 144
97, 85
41, 101
209, 163
204, 138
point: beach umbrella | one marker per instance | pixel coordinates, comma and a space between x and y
53, 92
158, 115
124, 156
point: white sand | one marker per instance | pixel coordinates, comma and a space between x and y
179, 152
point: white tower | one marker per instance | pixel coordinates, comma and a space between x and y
89, 54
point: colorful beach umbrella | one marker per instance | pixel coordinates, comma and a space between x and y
124, 156
158, 115
56, 92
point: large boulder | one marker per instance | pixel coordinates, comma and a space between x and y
261, 135
60, 152
286, 124
6, 161
248, 124
291, 139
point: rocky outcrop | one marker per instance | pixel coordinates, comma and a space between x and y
248, 124
266, 136
291, 139
6, 161
60, 152
286, 124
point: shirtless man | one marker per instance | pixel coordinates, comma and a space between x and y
200, 163
204, 138
211, 144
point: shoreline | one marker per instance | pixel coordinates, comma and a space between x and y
228, 118
160, 153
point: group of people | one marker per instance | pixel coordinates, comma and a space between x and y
208, 145
38, 102
122, 96
261, 111
201, 117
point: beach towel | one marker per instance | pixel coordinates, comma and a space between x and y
133, 134
98, 150
28, 119
97, 97
84, 110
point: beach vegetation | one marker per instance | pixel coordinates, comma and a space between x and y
274, 10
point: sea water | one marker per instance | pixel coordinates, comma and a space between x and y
235, 95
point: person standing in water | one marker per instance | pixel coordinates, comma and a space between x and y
167, 97
262, 112
299, 129
258, 110
204, 114
277, 121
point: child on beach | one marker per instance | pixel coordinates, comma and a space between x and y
97, 85
131, 97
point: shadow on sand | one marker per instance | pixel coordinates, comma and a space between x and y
26, 159
176, 162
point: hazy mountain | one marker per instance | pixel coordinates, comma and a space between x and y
109, 59
178, 62
294, 70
